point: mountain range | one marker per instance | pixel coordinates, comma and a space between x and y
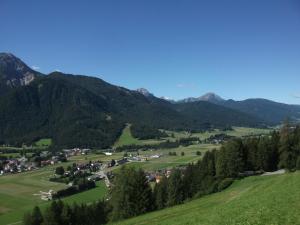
83, 111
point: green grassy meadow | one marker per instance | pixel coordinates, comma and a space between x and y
259, 200
127, 139
43, 143
167, 161
236, 132
17, 193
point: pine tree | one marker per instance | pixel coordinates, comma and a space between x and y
131, 195
175, 188
287, 158
161, 193
37, 218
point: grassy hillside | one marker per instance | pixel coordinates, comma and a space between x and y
262, 200
126, 138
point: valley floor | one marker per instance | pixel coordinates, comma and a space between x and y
259, 200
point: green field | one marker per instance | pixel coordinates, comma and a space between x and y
166, 161
236, 132
260, 200
43, 143
127, 139
17, 193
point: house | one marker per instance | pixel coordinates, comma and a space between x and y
108, 153
122, 161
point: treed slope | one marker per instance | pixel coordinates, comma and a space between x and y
261, 200
221, 116
85, 111
88, 112
130, 106
70, 115
272, 112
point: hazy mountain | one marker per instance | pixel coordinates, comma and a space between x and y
144, 92
208, 97
268, 111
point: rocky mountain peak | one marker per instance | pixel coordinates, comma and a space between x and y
211, 97
144, 92
14, 72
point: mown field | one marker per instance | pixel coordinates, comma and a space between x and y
17, 193
127, 139
236, 132
260, 200
167, 161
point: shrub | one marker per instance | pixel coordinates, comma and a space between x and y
225, 183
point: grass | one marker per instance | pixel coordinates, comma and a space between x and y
166, 161
260, 200
126, 138
17, 193
236, 132
43, 143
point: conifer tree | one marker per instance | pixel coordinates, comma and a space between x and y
175, 188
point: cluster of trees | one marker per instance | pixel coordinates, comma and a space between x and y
80, 185
163, 145
144, 132
218, 137
267, 153
61, 213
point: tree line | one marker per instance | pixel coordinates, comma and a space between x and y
162, 145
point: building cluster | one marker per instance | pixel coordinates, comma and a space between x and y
76, 151
25, 163
156, 176
142, 158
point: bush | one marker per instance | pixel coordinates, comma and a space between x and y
225, 183
59, 170
298, 163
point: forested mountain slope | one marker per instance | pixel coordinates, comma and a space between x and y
76, 110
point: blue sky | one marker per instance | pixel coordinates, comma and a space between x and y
238, 49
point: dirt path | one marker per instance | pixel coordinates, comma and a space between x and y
274, 173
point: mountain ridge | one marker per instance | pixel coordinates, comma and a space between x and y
78, 110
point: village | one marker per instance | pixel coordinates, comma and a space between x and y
79, 176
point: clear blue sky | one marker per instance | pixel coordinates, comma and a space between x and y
238, 49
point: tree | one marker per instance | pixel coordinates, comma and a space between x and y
37, 218
131, 194
198, 153
231, 159
53, 214
27, 219
287, 158
59, 170
175, 188
161, 193
298, 163
182, 153
113, 162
